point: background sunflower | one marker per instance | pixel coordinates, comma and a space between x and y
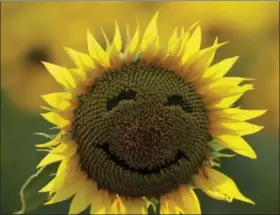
32, 32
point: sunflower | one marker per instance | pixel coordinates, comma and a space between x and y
145, 125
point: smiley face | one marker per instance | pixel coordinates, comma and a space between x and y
141, 130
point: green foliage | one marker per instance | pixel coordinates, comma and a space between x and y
29, 196
214, 145
49, 136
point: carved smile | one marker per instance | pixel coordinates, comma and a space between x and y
143, 171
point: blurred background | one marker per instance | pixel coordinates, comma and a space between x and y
37, 31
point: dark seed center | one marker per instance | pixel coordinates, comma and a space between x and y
141, 131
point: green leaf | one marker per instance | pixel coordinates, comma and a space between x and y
214, 163
220, 155
49, 136
54, 128
66, 137
30, 198
154, 202
152, 205
49, 108
215, 146
137, 57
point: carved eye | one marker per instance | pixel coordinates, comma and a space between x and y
123, 95
177, 100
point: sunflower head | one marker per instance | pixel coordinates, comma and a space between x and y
139, 124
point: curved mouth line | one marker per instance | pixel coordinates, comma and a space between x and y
143, 171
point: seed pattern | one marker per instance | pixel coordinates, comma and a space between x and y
141, 131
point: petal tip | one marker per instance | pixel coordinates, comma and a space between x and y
261, 128
49, 202
40, 165
251, 202
156, 14
66, 48
253, 155
262, 112
46, 64
44, 115
88, 33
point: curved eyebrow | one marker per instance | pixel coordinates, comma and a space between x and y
179, 101
123, 95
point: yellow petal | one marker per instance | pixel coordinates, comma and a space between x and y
172, 40
221, 183
228, 81
240, 128
60, 148
67, 149
48, 187
168, 203
106, 40
50, 158
135, 205
220, 69
58, 100
180, 48
67, 166
239, 114
61, 75
151, 34
211, 57
68, 171
152, 49
63, 194
79, 74
128, 36
117, 41
198, 62
116, 46
203, 56
118, 206
218, 196
224, 184
219, 92
133, 43
82, 199
67, 192
231, 83
228, 101
56, 119
100, 202
236, 144
209, 188
80, 59
189, 201
55, 141
193, 44
114, 207
180, 42
96, 51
